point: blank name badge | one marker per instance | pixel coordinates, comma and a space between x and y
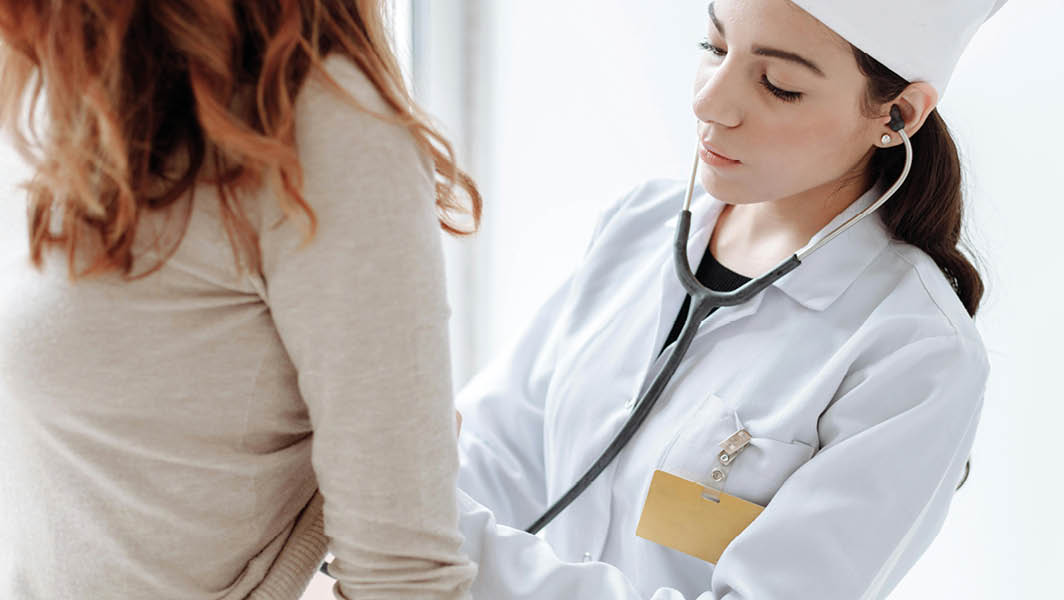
694, 518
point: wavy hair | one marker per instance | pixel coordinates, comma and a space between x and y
132, 87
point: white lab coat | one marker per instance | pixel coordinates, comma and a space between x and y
859, 375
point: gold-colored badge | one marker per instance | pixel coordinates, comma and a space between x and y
694, 518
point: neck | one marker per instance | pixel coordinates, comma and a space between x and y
752, 238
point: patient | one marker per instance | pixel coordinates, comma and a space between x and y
224, 341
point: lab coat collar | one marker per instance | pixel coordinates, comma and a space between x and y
824, 275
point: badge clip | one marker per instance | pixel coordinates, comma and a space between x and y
699, 519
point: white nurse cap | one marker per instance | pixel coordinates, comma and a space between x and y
921, 40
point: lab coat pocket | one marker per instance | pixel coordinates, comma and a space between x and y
755, 473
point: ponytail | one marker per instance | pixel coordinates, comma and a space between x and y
927, 210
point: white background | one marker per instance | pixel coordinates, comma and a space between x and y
557, 107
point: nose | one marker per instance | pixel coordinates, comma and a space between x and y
716, 96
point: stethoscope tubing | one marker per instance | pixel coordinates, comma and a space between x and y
703, 301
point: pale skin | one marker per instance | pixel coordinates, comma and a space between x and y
804, 160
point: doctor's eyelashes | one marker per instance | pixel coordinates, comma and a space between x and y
785, 95
705, 45
782, 94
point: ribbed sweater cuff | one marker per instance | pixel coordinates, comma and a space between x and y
298, 561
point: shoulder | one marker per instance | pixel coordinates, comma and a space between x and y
657, 199
936, 289
351, 120
647, 206
925, 286
912, 304
366, 179
350, 78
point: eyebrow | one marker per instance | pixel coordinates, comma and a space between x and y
771, 52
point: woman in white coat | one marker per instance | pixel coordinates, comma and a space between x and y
859, 376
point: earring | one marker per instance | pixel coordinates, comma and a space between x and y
885, 139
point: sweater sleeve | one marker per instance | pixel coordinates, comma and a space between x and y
362, 313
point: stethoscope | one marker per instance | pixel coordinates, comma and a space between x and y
703, 301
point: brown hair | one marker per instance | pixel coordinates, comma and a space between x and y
130, 85
927, 210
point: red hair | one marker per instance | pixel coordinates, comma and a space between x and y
131, 85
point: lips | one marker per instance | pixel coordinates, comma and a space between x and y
716, 151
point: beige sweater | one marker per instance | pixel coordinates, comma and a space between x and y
166, 438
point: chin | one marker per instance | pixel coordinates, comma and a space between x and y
727, 191
732, 191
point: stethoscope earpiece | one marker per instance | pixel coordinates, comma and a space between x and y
897, 123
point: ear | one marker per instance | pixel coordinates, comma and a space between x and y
916, 102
